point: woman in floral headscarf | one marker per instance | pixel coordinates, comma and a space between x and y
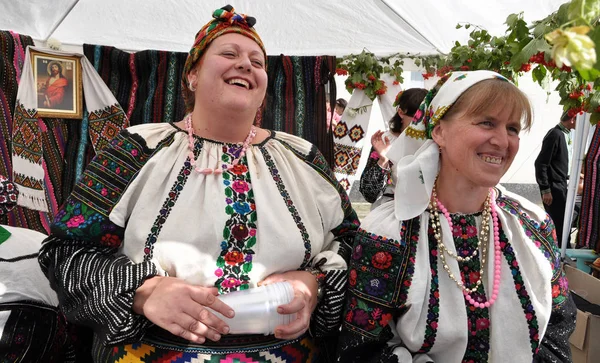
173, 215
457, 269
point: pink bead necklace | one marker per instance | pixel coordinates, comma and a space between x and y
224, 167
489, 208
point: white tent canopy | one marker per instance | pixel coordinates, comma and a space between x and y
300, 27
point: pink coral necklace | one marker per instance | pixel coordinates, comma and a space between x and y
490, 207
224, 167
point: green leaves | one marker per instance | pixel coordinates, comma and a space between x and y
533, 47
584, 12
522, 48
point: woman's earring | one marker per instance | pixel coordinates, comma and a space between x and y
192, 88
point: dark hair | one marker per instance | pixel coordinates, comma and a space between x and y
60, 68
409, 103
395, 123
341, 102
565, 117
411, 99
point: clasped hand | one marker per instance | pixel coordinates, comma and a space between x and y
181, 308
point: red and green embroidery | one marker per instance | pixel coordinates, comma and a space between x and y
478, 319
378, 265
239, 234
409, 236
543, 235
85, 213
532, 322
433, 308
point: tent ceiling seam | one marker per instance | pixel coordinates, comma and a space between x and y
385, 2
61, 20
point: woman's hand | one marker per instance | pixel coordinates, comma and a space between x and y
381, 144
181, 308
304, 302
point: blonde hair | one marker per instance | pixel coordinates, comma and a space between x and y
489, 93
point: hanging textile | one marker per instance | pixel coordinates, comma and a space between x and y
589, 218
386, 100
30, 171
147, 83
349, 138
349, 134
295, 100
12, 57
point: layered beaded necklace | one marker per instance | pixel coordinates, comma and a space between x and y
489, 209
224, 167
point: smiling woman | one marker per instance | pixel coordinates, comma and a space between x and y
172, 216
457, 268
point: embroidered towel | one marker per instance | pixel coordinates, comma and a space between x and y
106, 119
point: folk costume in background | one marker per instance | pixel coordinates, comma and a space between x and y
142, 209
404, 306
376, 182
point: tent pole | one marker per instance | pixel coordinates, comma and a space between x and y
385, 2
61, 20
582, 132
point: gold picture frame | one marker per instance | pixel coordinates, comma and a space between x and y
57, 79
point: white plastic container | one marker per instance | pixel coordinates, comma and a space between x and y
256, 308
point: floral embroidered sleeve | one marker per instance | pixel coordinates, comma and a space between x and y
379, 277
373, 179
95, 283
555, 347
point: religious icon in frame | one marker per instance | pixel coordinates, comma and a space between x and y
57, 79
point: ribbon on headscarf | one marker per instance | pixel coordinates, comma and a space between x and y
415, 154
225, 20
106, 120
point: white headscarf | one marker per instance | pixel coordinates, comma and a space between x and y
415, 154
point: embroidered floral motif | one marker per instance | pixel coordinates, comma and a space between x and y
377, 267
532, 322
478, 320
239, 234
543, 235
433, 308
85, 213
409, 236
367, 317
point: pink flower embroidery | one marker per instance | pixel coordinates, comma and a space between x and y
240, 186
75, 221
471, 231
218, 272
374, 155
482, 323
231, 283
